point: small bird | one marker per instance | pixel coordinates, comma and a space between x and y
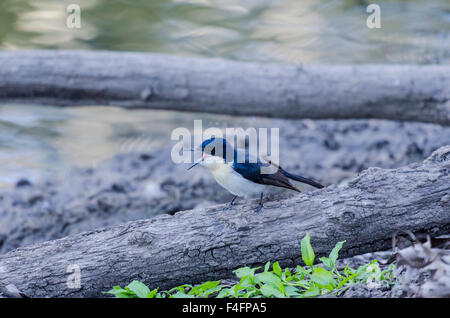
244, 179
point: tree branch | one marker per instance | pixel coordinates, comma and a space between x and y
141, 80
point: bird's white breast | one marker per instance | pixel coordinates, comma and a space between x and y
234, 182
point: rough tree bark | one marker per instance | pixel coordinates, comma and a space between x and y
203, 244
141, 80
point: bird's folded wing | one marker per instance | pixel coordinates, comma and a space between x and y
252, 172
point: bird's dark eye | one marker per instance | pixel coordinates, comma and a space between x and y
213, 152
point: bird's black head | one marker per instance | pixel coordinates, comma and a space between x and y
218, 147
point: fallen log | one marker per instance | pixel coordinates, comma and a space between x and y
142, 80
204, 244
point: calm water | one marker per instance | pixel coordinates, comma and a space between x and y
38, 139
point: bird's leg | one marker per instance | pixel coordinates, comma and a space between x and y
260, 206
230, 204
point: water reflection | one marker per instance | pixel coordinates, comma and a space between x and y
332, 31
36, 139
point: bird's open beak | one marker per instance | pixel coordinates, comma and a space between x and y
196, 163
204, 155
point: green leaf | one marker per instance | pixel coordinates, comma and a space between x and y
313, 291
291, 291
235, 291
301, 270
346, 280
323, 278
153, 293
211, 291
348, 271
287, 275
326, 262
116, 290
268, 278
267, 267
181, 295
205, 289
302, 283
119, 292
208, 285
138, 288
251, 293
334, 254
287, 272
277, 269
224, 293
269, 291
245, 271
307, 251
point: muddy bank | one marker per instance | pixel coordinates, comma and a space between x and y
140, 185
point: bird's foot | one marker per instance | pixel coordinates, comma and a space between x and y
229, 204
260, 205
259, 208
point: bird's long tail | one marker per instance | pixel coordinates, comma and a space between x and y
301, 179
